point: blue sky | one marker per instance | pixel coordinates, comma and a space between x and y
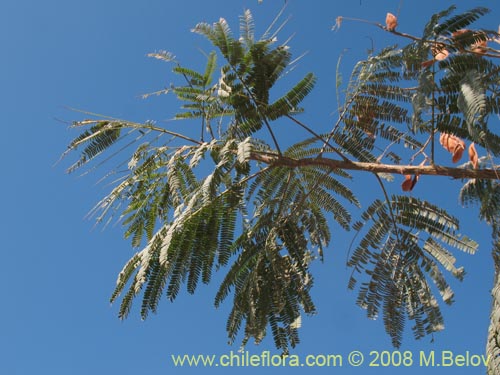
58, 273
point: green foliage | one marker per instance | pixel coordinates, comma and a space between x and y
185, 218
401, 251
486, 194
231, 199
459, 21
253, 68
407, 241
97, 139
377, 106
469, 91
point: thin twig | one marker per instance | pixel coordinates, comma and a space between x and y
136, 125
337, 124
421, 151
255, 101
325, 142
393, 218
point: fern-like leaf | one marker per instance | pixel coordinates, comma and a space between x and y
392, 255
290, 101
460, 21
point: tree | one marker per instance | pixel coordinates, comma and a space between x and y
229, 195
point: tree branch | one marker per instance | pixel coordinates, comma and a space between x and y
493, 52
433, 170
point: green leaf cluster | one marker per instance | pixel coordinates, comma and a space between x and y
226, 195
403, 248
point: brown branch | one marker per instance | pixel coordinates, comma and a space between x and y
495, 53
433, 170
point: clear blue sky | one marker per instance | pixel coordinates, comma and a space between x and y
57, 273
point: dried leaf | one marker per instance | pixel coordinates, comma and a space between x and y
338, 23
456, 36
428, 63
480, 47
459, 32
439, 55
391, 22
453, 145
473, 156
409, 182
457, 155
439, 51
406, 185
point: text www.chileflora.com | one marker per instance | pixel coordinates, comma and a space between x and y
355, 358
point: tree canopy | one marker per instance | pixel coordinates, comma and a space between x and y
230, 195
